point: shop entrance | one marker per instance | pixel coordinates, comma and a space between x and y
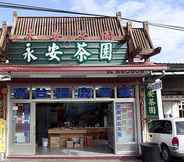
74, 128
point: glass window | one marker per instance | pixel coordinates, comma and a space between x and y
63, 92
180, 128
125, 128
21, 123
20, 93
125, 91
104, 92
41, 92
84, 92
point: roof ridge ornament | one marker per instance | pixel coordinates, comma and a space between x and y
106, 35
56, 35
82, 35
29, 35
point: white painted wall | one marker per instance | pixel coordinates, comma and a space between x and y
171, 108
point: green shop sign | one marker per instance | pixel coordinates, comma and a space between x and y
151, 103
67, 52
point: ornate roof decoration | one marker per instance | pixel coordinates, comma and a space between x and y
140, 44
140, 47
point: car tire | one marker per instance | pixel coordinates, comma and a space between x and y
165, 153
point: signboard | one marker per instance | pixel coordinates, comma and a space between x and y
105, 92
151, 103
67, 52
156, 85
85, 92
21, 93
62, 93
2, 135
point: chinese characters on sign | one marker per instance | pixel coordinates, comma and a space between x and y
28, 55
55, 52
106, 51
52, 52
151, 103
81, 55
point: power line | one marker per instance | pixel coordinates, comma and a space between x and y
35, 8
27, 7
179, 28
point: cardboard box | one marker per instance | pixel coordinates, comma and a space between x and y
81, 142
69, 144
63, 142
54, 142
54, 139
54, 145
77, 145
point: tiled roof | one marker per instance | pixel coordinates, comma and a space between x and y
140, 44
68, 27
2, 38
4, 31
3, 35
140, 39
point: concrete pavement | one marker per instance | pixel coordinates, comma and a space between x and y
60, 160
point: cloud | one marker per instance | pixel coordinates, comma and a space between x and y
165, 11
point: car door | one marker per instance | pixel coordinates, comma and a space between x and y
166, 133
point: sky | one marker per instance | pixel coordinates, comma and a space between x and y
156, 11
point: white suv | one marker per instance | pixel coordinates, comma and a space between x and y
169, 134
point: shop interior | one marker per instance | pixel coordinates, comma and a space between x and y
74, 128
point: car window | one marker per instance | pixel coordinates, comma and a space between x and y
155, 126
180, 128
160, 126
167, 127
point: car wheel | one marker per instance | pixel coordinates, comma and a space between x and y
166, 156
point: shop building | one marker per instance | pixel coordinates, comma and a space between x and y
172, 89
76, 82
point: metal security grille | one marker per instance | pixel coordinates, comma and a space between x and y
181, 109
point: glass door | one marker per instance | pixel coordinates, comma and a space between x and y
22, 129
110, 127
125, 128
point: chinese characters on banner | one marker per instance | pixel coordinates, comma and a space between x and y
55, 52
151, 103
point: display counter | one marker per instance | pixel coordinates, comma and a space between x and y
74, 137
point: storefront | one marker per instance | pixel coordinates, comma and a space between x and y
80, 92
114, 115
